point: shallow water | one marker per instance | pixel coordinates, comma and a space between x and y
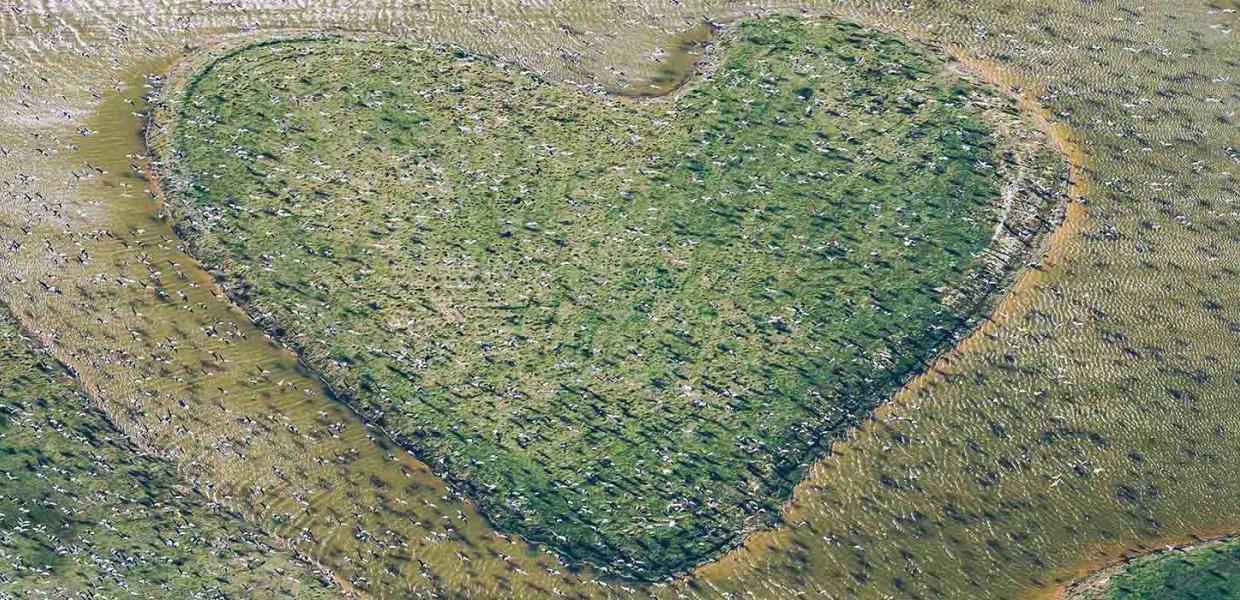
82, 511
200, 385
1096, 411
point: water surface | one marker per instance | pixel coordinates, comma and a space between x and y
1095, 412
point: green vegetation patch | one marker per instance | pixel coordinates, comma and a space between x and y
83, 513
1209, 572
625, 327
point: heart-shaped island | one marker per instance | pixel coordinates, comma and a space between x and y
624, 327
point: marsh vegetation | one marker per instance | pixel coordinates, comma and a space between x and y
626, 328
1092, 414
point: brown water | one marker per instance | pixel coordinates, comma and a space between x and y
1096, 410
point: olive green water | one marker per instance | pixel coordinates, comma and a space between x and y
1095, 413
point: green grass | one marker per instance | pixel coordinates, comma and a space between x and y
1210, 572
624, 327
82, 512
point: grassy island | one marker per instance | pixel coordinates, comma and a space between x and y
625, 327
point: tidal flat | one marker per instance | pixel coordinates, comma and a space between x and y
624, 328
1092, 414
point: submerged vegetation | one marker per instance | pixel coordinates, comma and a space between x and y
625, 327
84, 514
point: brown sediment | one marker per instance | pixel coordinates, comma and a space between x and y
1092, 578
347, 589
150, 175
676, 70
114, 157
